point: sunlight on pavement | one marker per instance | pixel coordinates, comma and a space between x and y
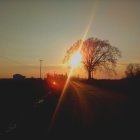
85, 108
82, 101
60, 101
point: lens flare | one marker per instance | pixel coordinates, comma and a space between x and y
74, 62
60, 101
75, 59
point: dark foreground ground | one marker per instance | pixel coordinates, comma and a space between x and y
86, 110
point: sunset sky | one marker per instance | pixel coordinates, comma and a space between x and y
31, 30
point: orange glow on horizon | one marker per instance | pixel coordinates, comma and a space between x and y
74, 62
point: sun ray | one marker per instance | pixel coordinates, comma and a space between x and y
90, 22
60, 101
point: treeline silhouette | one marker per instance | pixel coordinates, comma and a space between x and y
27, 105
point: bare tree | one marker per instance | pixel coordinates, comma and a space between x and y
99, 54
72, 50
132, 70
96, 54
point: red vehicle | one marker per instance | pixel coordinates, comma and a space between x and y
56, 82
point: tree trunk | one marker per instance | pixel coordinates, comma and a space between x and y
89, 75
92, 74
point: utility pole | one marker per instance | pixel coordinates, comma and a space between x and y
41, 68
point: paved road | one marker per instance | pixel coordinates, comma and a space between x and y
81, 112
87, 111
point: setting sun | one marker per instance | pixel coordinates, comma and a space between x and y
75, 59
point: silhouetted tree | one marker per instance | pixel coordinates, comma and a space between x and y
72, 50
99, 54
95, 54
132, 71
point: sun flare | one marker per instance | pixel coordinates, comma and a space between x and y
75, 60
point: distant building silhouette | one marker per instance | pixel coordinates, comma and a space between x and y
18, 77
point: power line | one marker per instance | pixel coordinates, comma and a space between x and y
9, 59
13, 61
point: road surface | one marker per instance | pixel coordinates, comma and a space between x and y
30, 109
87, 111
